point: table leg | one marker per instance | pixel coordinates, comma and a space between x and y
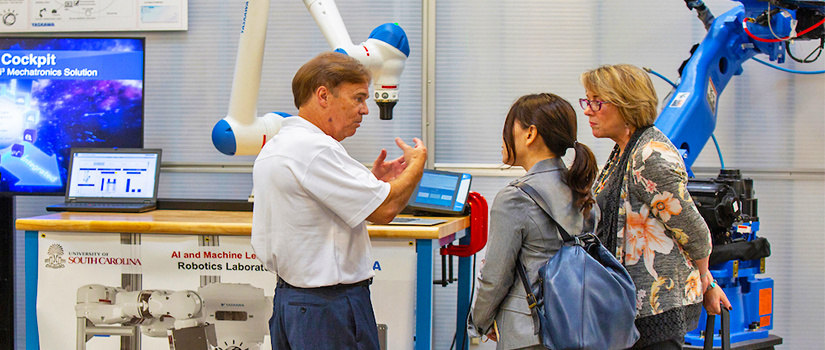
424, 295
30, 249
465, 275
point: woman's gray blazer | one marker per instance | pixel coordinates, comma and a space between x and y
520, 229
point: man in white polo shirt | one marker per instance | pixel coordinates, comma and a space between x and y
311, 203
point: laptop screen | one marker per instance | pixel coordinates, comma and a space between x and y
441, 192
114, 173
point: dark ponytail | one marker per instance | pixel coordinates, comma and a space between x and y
580, 177
555, 121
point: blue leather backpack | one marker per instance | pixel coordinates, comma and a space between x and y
586, 298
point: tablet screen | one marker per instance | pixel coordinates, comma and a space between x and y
441, 192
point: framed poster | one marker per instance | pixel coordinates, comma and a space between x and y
26, 16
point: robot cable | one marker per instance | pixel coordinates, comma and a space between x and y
807, 59
770, 27
754, 37
786, 69
651, 71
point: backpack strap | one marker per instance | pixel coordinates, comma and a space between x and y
536, 197
532, 301
522, 273
531, 298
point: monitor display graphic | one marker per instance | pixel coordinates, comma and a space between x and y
441, 192
112, 175
437, 189
59, 92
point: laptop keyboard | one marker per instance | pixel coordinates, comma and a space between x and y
104, 205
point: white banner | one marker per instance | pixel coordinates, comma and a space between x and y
175, 263
393, 290
69, 261
22, 16
65, 264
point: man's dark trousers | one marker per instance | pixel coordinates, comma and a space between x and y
334, 317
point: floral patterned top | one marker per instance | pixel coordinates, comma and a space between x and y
660, 231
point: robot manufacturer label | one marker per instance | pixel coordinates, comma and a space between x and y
711, 96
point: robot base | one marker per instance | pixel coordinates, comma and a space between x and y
751, 298
755, 344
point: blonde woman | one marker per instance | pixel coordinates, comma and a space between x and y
647, 216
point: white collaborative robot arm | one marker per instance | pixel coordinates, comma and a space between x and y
219, 313
383, 53
241, 132
109, 305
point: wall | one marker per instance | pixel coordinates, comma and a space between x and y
488, 53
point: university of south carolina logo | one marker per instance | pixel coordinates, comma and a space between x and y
55, 259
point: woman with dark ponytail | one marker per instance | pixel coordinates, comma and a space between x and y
538, 131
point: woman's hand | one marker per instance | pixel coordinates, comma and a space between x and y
713, 294
493, 332
713, 298
492, 336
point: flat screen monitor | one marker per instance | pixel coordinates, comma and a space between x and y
62, 92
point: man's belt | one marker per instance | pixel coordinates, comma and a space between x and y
364, 283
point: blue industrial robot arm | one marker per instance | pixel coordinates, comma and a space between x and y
726, 202
689, 114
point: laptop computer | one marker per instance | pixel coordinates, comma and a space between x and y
415, 221
438, 193
121, 180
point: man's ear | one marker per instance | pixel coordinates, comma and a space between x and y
322, 95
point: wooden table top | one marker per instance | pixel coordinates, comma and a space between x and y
237, 223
